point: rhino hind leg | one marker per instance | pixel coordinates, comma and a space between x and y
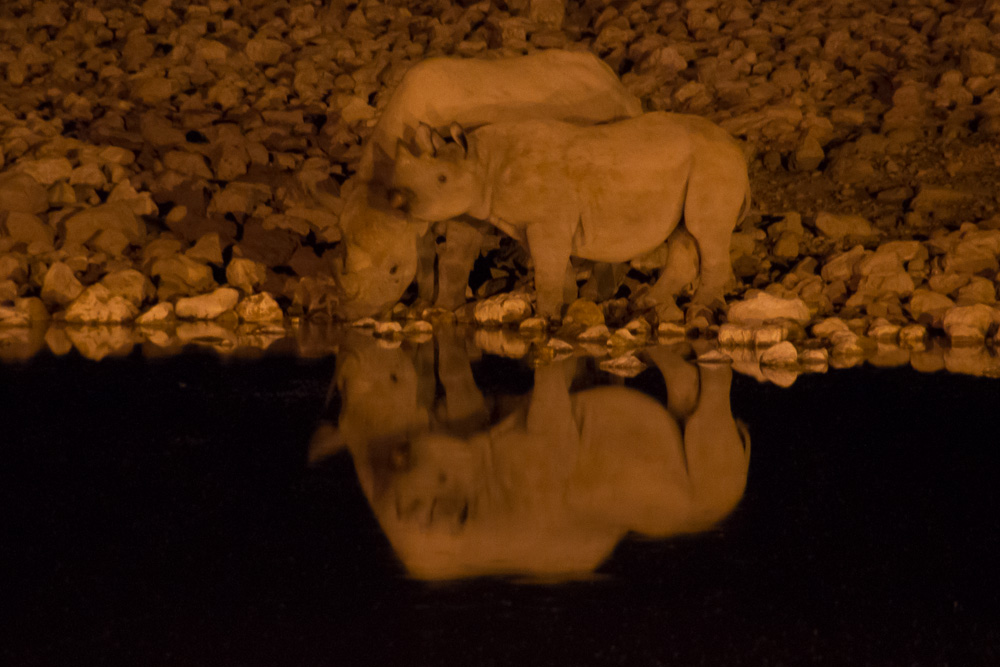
715, 199
681, 269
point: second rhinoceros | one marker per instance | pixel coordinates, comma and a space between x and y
380, 246
606, 192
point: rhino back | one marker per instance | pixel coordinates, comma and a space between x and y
575, 86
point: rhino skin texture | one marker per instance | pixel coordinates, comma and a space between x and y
607, 193
573, 86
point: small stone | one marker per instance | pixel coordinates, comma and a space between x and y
533, 324
829, 328
27, 228
809, 154
207, 306
245, 274
130, 285
207, 249
598, 332
259, 308
152, 91
782, 354
913, 336
188, 164
626, 365
60, 286
159, 314
503, 309
763, 307
98, 305
968, 325
388, 329
836, 227
667, 331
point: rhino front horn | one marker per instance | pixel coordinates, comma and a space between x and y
397, 199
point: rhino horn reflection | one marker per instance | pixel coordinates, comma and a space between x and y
552, 486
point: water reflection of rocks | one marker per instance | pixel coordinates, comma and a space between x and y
543, 484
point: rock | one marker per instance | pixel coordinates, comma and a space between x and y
188, 164
159, 314
388, 329
829, 328
245, 274
763, 307
913, 336
47, 171
838, 227
265, 51
22, 312
626, 365
809, 154
129, 284
736, 335
978, 63
261, 308
27, 228
883, 331
968, 325
501, 342
669, 331
929, 308
20, 192
503, 309
152, 91
842, 266
60, 286
207, 306
598, 332
98, 305
182, 275
89, 225
207, 249
782, 354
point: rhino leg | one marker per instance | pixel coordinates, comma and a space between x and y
459, 253
550, 245
681, 379
717, 449
715, 198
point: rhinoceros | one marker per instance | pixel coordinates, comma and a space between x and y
381, 244
606, 192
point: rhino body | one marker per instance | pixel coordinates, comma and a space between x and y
382, 245
607, 193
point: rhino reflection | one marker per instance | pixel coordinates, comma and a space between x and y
544, 484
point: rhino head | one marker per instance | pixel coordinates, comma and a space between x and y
440, 181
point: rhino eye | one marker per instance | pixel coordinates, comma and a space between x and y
442, 178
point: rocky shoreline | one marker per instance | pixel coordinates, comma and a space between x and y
169, 164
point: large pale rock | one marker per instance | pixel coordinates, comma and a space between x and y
159, 314
22, 312
927, 307
20, 192
60, 286
503, 309
259, 308
968, 325
207, 306
763, 307
98, 305
130, 285
90, 224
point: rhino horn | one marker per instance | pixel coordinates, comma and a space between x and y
458, 134
423, 138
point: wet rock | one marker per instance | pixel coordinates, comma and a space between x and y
129, 284
736, 335
968, 325
388, 329
259, 308
782, 354
502, 342
883, 331
60, 286
207, 306
763, 307
669, 331
159, 314
626, 365
503, 309
98, 305
22, 312
929, 308
830, 327
913, 336
596, 333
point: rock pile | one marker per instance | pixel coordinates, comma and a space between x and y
166, 160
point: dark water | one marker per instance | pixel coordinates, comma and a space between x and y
166, 513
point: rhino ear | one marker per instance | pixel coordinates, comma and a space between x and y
425, 144
458, 134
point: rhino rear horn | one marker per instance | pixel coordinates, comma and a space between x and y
423, 138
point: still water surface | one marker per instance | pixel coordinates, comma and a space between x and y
426, 504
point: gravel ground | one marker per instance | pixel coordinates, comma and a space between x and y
165, 160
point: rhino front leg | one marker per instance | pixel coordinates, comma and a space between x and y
459, 253
550, 246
